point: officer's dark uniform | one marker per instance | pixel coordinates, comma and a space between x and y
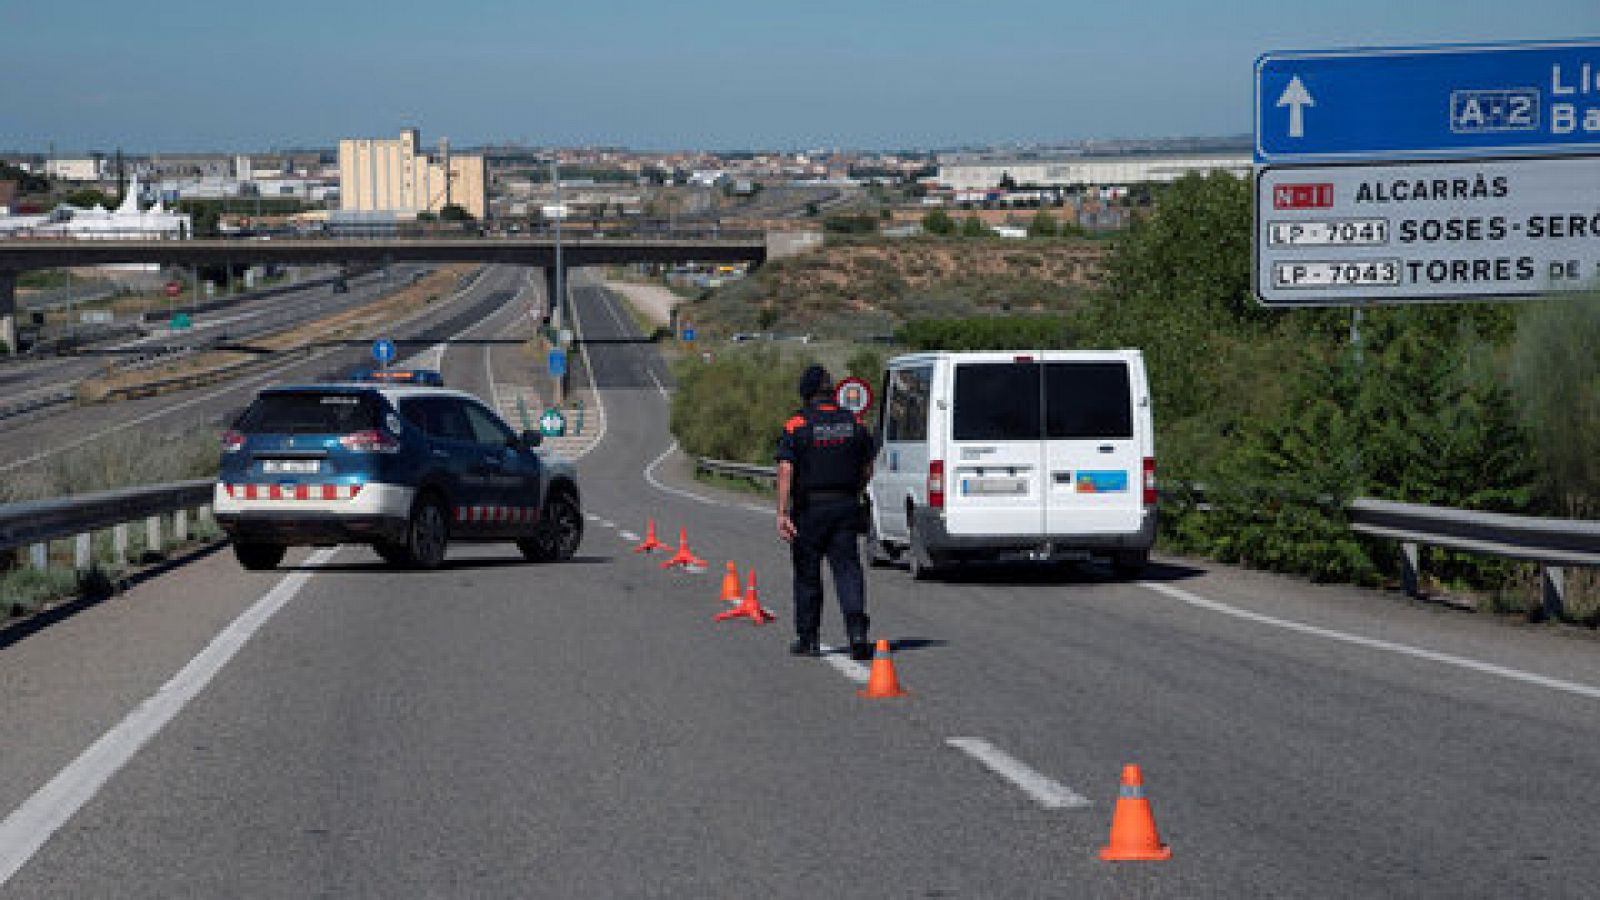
829, 450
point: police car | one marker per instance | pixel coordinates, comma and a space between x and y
402, 466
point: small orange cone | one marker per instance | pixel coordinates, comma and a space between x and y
650, 544
683, 557
882, 682
1133, 826
750, 608
730, 584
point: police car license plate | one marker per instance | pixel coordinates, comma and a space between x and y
290, 466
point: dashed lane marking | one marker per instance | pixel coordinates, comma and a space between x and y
30, 825
839, 658
1045, 791
628, 536
1570, 687
605, 523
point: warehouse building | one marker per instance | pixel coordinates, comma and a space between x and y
1082, 171
396, 176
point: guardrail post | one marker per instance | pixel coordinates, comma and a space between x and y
1411, 569
152, 534
83, 551
39, 556
119, 543
180, 525
1553, 591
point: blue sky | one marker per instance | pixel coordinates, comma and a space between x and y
212, 74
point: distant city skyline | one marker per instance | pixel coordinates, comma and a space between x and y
191, 76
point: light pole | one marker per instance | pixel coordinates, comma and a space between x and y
558, 302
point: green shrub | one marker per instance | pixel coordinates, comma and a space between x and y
987, 333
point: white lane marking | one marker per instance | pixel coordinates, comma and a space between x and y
839, 658
605, 523
1045, 791
1570, 687
608, 300
764, 510
650, 476
594, 389
591, 517
628, 536
30, 825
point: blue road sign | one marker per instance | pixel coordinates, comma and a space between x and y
383, 351
558, 362
688, 335
1429, 102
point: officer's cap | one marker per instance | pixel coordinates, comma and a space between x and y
814, 381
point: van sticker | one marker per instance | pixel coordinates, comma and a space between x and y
1102, 482
976, 452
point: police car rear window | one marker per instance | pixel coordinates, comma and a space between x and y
310, 413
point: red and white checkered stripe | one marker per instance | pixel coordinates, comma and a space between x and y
510, 515
294, 491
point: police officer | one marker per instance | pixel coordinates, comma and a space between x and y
824, 461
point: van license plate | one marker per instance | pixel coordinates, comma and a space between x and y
992, 486
290, 466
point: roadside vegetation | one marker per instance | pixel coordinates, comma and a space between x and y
1278, 414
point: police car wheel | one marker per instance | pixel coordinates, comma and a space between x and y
560, 531
259, 557
427, 535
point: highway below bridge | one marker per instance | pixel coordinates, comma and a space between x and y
502, 729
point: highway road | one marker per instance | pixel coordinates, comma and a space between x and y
29, 444
500, 729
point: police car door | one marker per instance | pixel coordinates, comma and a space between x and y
993, 476
1091, 453
509, 473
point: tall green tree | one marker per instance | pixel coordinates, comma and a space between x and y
1555, 373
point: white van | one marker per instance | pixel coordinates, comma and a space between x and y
1045, 456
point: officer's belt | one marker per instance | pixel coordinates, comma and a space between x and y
830, 494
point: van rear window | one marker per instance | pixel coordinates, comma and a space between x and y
1087, 400
310, 413
997, 402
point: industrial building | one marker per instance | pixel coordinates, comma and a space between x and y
1082, 171
396, 176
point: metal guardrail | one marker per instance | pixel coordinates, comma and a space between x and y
1553, 543
36, 523
736, 469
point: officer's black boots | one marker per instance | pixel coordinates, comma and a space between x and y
806, 645
856, 626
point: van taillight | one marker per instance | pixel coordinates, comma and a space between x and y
1149, 481
370, 441
936, 483
232, 441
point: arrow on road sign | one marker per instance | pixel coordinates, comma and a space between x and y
1297, 98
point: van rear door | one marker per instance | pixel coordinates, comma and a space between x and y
1092, 456
993, 480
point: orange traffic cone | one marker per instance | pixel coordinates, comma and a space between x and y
882, 683
1133, 827
650, 544
730, 584
750, 608
683, 557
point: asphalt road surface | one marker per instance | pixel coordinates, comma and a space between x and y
501, 729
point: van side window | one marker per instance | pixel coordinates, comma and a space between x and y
997, 402
907, 406
1087, 400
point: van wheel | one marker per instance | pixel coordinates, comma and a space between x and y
1130, 563
259, 557
427, 535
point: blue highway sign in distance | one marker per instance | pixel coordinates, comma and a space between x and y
557, 362
1429, 102
383, 350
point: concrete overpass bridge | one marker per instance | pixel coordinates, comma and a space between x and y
22, 255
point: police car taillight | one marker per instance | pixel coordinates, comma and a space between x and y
232, 441
369, 441
936, 483
1149, 481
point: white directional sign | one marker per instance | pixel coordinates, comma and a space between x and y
1337, 235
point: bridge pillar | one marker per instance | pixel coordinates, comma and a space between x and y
8, 310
